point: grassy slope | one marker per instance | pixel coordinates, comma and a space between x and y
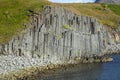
103, 13
13, 14
115, 8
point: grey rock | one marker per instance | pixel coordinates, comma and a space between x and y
56, 36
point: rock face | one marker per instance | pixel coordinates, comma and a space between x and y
57, 35
108, 1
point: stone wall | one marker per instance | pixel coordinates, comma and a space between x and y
57, 34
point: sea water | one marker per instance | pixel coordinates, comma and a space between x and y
93, 71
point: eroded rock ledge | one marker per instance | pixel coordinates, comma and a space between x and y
56, 36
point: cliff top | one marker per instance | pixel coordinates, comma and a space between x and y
14, 14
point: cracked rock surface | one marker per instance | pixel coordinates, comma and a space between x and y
56, 35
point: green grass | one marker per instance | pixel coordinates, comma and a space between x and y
13, 14
101, 12
65, 26
115, 8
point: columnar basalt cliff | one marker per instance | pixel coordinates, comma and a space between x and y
58, 35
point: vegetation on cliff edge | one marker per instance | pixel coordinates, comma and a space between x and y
14, 14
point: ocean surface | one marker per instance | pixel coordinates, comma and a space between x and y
94, 71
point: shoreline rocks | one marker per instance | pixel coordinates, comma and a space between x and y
24, 72
12, 63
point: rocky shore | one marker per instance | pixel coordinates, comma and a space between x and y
12, 63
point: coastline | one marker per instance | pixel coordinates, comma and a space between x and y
29, 73
53, 44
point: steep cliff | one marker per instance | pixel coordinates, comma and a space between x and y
108, 1
58, 35
57, 31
